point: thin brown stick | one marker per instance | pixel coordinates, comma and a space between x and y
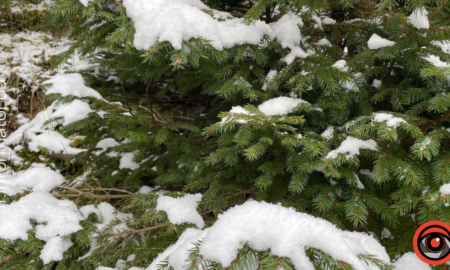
437, 10
5, 260
111, 189
93, 196
124, 93
139, 230
148, 97
149, 228
438, 121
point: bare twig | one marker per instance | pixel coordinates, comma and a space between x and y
439, 8
93, 196
148, 97
124, 93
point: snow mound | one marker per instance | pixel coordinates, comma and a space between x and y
376, 83
445, 189
410, 261
71, 85
73, 111
54, 249
178, 20
351, 146
324, 42
269, 78
377, 42
328, 133
181, 210
390, 120
419, 19
146, 190
105, 144
237, 110
286, 30
280, 105
55, 218
178, 252
38, 179
39, 134
53, 141
61, 217
265, 226
126, 161
286, 233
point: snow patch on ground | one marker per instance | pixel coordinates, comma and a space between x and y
70, 85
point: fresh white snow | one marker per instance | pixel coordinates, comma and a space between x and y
410, 261
390, 120
280, 105
126, 161
105, 144
40, 179
376, 83
176, 21
377, 42
182, 210
263, 226
328, 133
419, 19
54, 248
351, 146
71, 84
61, 217
445, 189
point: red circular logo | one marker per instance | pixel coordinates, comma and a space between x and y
432, 242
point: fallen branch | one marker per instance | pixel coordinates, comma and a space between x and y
93, 196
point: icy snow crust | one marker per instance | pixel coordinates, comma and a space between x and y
265, 226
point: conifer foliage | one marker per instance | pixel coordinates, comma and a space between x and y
217, 142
